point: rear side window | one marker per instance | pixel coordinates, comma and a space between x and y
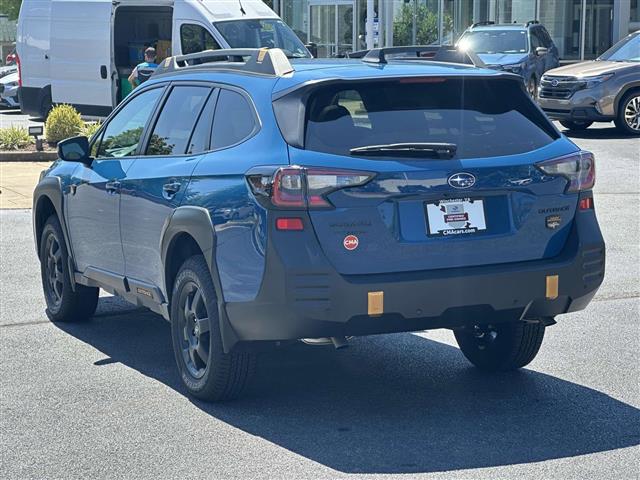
194, 38
173, 129
483, 118
234, 120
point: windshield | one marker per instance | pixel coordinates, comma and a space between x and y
495, 41
272, 33
430, 117
626, 50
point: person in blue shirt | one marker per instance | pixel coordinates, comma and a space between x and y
144, 70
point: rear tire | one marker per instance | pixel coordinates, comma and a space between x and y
46, 106
628, 119
501, 347
207, 372
63, 303
575, 125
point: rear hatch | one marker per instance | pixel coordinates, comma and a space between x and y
451, 163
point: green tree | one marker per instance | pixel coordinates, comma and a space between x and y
426, 26
11, 8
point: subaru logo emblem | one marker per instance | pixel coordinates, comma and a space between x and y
462, 180
554, 83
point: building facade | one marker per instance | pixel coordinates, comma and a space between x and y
582, 29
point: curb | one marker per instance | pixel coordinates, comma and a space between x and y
28, 156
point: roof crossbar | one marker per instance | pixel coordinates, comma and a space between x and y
263, 61
437, 53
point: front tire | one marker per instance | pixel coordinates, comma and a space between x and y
575, 125
532, 88
63, 303
501, 347
206, 370
628, 119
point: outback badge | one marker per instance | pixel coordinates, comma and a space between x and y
553, 221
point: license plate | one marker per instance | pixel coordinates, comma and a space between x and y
455, 216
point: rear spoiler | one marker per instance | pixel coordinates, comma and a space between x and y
436, 53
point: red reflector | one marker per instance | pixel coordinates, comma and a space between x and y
289, 224
586, 203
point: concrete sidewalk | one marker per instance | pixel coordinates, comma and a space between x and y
17, 181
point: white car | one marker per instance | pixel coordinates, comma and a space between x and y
9, 91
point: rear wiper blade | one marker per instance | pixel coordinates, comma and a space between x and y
420, 150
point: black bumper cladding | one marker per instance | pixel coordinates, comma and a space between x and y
303, 296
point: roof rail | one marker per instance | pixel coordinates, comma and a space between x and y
485, 22
532, 22
264, 61
437, 53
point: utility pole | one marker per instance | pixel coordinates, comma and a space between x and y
369, 29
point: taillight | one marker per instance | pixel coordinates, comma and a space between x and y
578, 168
19, 70
304, 187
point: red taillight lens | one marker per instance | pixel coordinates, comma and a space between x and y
586, 203
290, 224
579, 168
288, 188
19, 70
300, 188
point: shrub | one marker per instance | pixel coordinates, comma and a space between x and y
63, 121
14, 138
89, 129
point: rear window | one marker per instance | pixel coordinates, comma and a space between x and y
481, 117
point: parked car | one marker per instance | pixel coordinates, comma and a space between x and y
4, 71
90, 70
11, 58
9, 91
365, 204
603, 90
524, 49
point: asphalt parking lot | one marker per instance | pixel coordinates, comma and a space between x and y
104, 400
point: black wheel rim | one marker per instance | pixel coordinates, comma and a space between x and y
484, 335
53, 273
194, 330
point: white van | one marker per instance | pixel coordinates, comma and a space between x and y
81, 52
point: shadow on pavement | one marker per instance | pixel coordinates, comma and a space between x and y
390, 404
611, 133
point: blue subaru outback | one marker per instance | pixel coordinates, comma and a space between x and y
251, 201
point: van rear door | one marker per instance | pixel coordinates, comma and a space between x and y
81, 61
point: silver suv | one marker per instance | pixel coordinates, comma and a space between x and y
603, 90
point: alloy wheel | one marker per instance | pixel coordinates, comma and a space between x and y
532, 89
54, 275
195, 330
632, 113
485, 335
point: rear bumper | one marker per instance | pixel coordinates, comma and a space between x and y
303, 296
584, 114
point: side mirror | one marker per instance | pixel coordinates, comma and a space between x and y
313, 49
541, 51
75, 149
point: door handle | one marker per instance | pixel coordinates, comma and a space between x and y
113, 186
170, 189
103, 71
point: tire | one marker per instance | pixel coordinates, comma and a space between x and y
206, 371
575, 125
45, 107
628, 119
501, 347
63, 303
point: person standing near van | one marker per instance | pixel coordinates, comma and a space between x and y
144, 70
